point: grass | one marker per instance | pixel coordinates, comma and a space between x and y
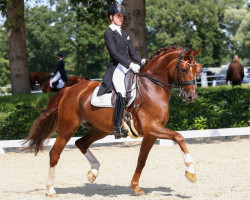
33, 100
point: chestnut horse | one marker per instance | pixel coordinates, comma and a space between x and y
71, 107
43, 79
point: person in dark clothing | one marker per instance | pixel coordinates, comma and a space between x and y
235, 72
122, 58
59, 76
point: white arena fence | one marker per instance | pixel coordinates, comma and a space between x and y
192, 134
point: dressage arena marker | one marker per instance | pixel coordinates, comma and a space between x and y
208, 133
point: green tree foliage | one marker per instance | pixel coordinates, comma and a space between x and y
44, 38
238, 26
49, 31
196, 24
91, 55
93, 12
4, 62
76, 27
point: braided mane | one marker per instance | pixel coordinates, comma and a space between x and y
163, 50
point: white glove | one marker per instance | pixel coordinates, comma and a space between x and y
52, 74
143, 61
134, 67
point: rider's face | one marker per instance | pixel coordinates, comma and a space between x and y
118, 19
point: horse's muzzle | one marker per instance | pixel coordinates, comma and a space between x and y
189, 96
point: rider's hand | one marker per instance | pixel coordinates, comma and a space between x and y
143, 61
52, 74
134, 67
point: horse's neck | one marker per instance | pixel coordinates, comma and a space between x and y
148, 86
159, 69
42, 77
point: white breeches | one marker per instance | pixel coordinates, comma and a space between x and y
118, 79
55, 78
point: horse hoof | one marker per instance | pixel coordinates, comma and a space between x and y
91, 176
191, 177
141, 193
54, 195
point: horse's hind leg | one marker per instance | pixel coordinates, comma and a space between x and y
64, 133
54, 157
164, 133
83, 144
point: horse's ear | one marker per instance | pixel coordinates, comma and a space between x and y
197, 52
187, 54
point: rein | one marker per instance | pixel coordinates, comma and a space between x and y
164, 85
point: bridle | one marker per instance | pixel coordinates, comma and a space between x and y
179, 84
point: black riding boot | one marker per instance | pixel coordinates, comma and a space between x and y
54, 84
119, 110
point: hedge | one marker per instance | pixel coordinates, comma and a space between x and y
216, 107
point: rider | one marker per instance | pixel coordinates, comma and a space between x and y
59, 75
122, 58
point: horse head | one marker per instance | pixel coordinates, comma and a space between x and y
175, 67
199, 70
42, 78
32, 80
184, 74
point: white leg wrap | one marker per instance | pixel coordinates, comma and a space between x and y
95, 172
51, 175
189, 163
94, 163
50, 181
191, 169
51, 191
187, 158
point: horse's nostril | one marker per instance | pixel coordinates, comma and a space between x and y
191, 97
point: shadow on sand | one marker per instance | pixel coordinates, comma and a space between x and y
90, 190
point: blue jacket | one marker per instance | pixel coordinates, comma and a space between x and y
61, 69
121, 51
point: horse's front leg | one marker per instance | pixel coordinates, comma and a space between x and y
164, 133
147, 143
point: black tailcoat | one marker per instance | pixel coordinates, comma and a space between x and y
121, 51
61, 69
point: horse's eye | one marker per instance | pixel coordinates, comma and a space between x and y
184, 70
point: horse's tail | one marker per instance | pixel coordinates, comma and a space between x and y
45, 125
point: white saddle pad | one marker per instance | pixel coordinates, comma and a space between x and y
105, 99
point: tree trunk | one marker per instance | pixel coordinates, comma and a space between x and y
134, 24
16, 47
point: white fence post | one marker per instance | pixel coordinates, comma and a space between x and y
204, 80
